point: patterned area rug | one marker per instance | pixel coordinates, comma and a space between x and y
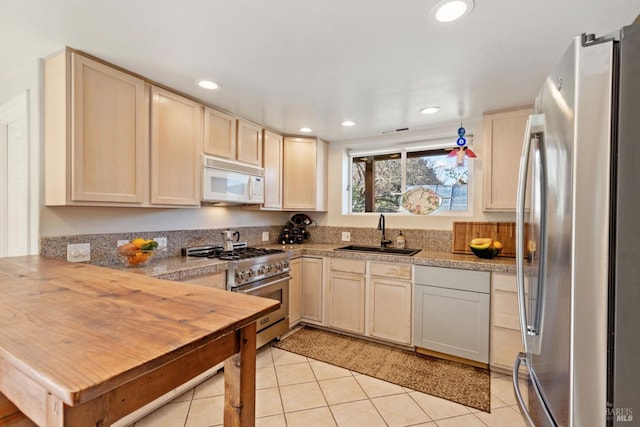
453, 381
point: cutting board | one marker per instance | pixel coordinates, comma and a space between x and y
464, 232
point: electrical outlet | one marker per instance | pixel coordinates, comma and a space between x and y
346, 236
122, 242
162, 242
265, 236
79, 252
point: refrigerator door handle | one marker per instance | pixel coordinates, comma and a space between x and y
522, 357
520, 210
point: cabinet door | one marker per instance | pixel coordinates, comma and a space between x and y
215, 280
347, 293
110, 142
503, 136
272, 157
312, 289
299, 174
453, 322
390, 309
506, 341
295, 291
176, 144
249, 143
219, 133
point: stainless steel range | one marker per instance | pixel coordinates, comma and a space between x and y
256, 271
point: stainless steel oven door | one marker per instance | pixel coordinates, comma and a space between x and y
275, 323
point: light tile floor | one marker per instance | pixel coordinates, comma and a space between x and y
292, 391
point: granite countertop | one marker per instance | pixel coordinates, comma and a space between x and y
183, 268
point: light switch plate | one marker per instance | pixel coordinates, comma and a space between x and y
79, 252
265, 236
346, 236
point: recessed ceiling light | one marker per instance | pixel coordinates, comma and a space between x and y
451, 10
208, 84
305, 130
348, 123
429, 110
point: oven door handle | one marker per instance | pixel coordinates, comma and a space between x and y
266, 285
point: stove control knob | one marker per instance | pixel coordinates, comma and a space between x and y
250, 273
240, 275
269, 268
262, 269
285, 263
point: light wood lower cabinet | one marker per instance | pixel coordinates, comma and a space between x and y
295, 291
452, 312
215, 280
347, 295
506, 340
370, 298
312, 275
305, 290
390, 302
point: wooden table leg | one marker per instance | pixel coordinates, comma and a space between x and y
240, 381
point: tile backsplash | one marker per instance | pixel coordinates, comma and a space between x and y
103, 246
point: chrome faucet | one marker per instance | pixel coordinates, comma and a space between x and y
381, 226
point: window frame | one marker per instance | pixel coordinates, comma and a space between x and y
439, 144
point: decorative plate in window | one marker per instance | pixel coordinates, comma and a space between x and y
420, 201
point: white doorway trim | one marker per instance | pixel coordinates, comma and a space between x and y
17, 228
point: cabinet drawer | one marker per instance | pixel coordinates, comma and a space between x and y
347, 265
505, 310
450, 278
507, 282
395, 271
505, 345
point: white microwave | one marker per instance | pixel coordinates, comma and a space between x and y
225, 182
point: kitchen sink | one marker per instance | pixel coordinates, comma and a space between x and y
379, 250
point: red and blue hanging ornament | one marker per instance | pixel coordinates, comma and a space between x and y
461, 150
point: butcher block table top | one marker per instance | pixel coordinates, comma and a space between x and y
83, 345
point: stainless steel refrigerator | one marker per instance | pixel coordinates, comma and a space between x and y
578, 233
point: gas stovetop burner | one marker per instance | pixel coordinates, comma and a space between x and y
240, 251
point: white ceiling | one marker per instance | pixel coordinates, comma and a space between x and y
293, 63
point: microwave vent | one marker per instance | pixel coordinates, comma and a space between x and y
212, 162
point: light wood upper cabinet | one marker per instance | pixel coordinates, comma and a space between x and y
249, 142
272, 158
503, 138
219, 133
176, 144
305, 174
96, 134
